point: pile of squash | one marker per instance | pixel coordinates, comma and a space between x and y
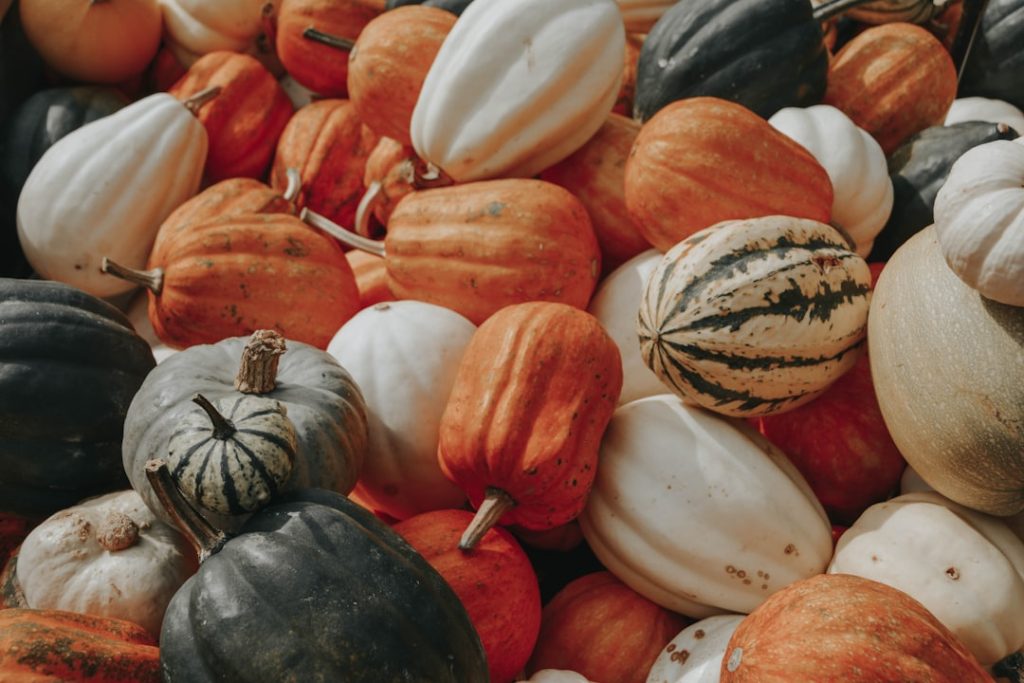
511, 340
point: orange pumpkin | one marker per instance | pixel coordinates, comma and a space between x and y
328, 143
893, 80
389, 63
371, 278
495, 582
702, 160
838, 627
246, 118
534, 391
601, 628
390, 175
50, 646
164, 71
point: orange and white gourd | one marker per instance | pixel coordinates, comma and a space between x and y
519, 85
985, 109
979, 220
194, 28
640, 15
862, 191
700, 514
104, 190
695, 655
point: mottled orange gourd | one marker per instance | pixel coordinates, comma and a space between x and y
391, 166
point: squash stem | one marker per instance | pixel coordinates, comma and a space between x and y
328, 39
366, 204
117, 531
257, 373
200, 98
223, 428
291, 192
341, 234
153, 280
203, 537
427, 176
827, 10
494, 506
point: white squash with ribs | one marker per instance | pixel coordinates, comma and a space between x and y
194, 28
985, 109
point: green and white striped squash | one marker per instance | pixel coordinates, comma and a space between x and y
757, 316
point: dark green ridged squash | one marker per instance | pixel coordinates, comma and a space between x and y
70, 365
918, 169
995, 66
313, 588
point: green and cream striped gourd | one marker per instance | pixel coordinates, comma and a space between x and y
753, 317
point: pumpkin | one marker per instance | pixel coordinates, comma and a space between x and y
893, 80
502, 242
49, 646
534, 391
959, 428
195, 27
979, 220
599, 627
495, 583
392, 171
245, 120
695, 654
322, 402
984, 109
840, 627
557, 676
107, 41
371, 276
518, 85
755, 317
389, 63
673, 175
993, 66
114, 191
862, 192
70, 366
403, 356
698, 513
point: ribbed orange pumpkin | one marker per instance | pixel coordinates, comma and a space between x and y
371, 278
390, 173
495, 582
893, 80
702, 160
838, 627
534, 392
246, 118
601, 628
390, 62
49, 646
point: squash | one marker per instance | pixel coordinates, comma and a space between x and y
392, 171
403, 356
95, 41
695, 655
47, 646
495, 583
979, 220
70, 366
862, 192
839, 627
993, 66
557, 676
755, 317
698, 513
371, 276
518, 85
673, 184
984, 109
105, 188
960, 427
194, 28
534, 391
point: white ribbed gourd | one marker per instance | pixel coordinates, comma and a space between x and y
985, 109
640, 15
519, 85
695, 655
104, 190
856, 165
194, 28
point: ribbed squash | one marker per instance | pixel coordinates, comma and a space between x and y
194, 28
993, 68
371, 276
984, 109
695, 655
390, 175
755, 317
674, 183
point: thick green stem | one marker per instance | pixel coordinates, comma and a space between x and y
341, 234
203, 537
153, 280
328, 39
223, 428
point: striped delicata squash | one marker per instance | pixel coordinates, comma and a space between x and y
758, 316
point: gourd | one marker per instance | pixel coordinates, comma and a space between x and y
194, 28
993, 66
371, 278
755, 317
391, 173
550, 75
984, 109
557, 676
695, 655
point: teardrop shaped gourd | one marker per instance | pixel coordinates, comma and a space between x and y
519, 85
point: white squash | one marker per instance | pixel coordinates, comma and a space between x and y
985, 109
105, 188
698, 513
979, 220
695, 655
404, 356
107, 556
855, 162
640, 15
557, 676
615, 304
194, 28
138, 315
519, 85
966, 567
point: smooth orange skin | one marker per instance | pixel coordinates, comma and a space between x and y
371, 278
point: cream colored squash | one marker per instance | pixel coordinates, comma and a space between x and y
615, 304
695, 655
404, 356
979, 220
107, 556
698, 513
138, 314
194, 28
985, 109
557, 676
519, 85
640, 15
855, 162
104, 190
967, 568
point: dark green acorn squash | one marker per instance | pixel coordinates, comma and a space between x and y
69, 366
995, 66
918, 168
